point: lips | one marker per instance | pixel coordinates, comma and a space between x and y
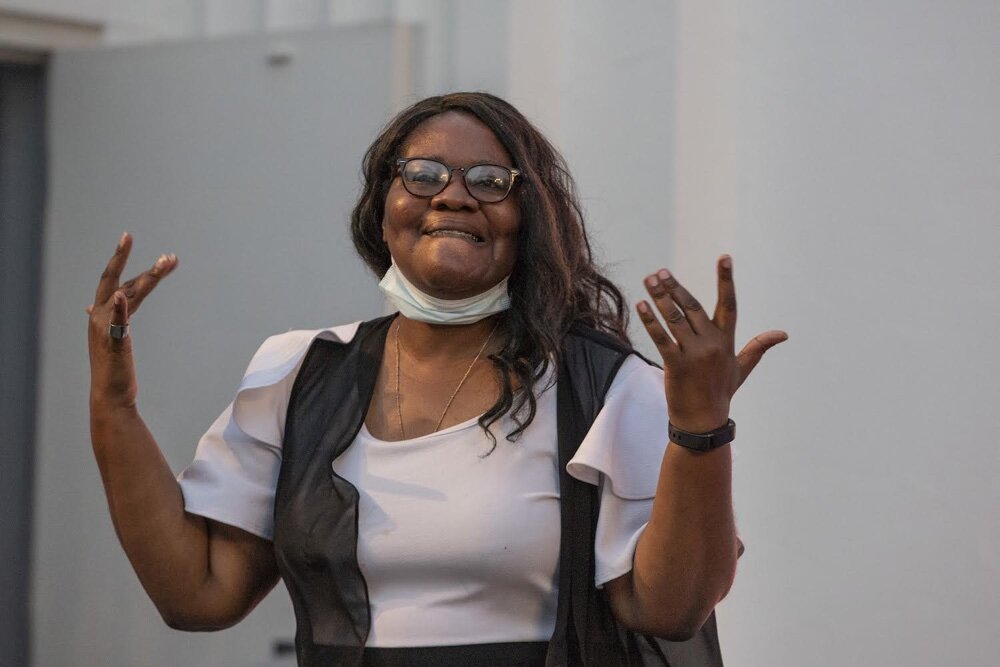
454, 233
454, 229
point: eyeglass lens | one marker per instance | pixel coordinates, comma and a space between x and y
488, 183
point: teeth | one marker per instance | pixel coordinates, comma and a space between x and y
457, 234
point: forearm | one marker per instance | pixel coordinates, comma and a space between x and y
200, 574
167, 547
685, 561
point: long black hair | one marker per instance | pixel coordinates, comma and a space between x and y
555, 282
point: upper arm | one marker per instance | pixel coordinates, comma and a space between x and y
622, 601
241, 571
662, 621
627, 608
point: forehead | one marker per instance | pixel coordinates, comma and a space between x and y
457, 139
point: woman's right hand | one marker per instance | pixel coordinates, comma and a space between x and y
201, 574
112, 369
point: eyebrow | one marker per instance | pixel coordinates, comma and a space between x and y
440, 159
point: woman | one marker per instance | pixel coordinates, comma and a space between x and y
434, 541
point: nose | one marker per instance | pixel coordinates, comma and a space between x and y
456, 195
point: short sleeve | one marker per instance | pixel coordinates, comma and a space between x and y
622, 455
235, 469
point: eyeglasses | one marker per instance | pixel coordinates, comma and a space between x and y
488, 183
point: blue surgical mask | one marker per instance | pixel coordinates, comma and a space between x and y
417, 305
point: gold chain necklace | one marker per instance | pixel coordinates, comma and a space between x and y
437, 427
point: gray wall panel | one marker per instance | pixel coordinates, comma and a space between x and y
247, 171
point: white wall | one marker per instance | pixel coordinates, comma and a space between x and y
846, 154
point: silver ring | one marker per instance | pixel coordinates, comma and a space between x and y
118, 331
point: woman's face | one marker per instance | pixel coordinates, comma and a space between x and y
421, 232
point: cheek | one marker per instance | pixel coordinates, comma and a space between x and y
398, 210
512, 228
511, 240
508, 218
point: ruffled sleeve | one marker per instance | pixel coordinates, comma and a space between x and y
235, 469
622, 454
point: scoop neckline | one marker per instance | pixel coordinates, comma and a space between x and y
365, 433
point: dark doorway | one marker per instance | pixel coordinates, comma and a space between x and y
22, 205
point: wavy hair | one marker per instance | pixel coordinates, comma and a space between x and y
555, 282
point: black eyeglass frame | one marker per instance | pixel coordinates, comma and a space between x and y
515, 174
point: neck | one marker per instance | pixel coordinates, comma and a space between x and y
447, 341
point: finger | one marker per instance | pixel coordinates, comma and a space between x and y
725, 307
672, 315
119, 308
697, 320
138, 288
119, 315
664, 343
754, 350
113, 271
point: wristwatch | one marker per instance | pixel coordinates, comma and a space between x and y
703, 442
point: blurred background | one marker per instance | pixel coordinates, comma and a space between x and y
846, 153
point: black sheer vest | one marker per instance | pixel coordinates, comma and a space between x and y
316, 512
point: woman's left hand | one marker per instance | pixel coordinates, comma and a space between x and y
701, 368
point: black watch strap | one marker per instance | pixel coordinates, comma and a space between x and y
703, 442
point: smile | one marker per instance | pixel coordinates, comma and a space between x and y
454, 233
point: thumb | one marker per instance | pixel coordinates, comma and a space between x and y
753, 351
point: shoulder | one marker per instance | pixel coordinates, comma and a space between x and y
637, 375
280, 354
585, 335
601, 359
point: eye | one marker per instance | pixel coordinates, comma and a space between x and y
422, 176
424, 171
488, 177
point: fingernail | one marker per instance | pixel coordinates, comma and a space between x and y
643, 308
121, 241
160, 261
652, 281
118, 298
663, 274
727, 262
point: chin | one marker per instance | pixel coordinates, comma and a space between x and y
456, 282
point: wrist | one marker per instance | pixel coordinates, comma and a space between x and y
703, 441
700, 423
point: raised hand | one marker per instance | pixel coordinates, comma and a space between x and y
112, 367
702, 370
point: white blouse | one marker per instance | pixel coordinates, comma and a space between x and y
456, 546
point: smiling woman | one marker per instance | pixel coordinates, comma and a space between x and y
361, 464
448, 243
539, 232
